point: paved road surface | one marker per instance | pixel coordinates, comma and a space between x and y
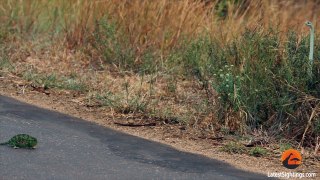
70, 148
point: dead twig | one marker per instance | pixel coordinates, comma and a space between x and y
317, 148
313, 114
135, 125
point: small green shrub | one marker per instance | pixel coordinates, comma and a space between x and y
122, 102
108, 99
258, 152
234, 147
46, 81
53, 81
228, 84
73, 84
5, 63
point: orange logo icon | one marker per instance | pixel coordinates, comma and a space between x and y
291, 158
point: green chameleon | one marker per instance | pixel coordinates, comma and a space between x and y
22, 141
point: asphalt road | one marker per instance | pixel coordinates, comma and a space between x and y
70, 148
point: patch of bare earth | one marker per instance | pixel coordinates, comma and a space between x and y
179, 137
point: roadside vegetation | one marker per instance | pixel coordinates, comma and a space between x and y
225, 67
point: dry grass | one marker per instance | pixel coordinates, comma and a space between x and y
160, 23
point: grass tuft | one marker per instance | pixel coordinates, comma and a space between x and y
234, 148
258, 152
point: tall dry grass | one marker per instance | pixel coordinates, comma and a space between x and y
158, 23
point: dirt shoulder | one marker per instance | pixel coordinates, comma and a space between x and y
174, 135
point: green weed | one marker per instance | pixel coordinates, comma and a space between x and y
5, 63
234, 147
53, 81
258, 152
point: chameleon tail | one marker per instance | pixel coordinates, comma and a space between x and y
4, 143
